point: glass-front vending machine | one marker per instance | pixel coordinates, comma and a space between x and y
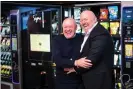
127, 47
10, 51
6, 60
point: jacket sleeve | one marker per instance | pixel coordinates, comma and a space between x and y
59, 60
98, 45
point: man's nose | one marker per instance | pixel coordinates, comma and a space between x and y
83, 22
68, 29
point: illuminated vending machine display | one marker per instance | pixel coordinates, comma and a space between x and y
6, 59
127, 42
128, 32
10, 68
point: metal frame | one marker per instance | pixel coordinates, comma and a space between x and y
31, 4
97, 4
6, 83
123, 4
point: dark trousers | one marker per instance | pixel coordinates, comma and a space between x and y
98, 81
59, 85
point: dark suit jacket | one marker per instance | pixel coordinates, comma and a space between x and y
62, 51
99, 49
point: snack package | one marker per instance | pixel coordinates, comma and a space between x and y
8, 42
128, 50
114, 27
113, 12
105, 25
103, 13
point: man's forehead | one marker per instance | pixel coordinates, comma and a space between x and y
69, 20
87, 15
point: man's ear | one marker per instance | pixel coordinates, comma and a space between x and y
95, 19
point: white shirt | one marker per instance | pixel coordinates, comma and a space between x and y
86, 36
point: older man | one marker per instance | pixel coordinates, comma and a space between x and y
98, 47
66, 49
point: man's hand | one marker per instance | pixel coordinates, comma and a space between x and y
83, 62
69, 70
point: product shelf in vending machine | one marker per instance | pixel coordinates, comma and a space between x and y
6, 59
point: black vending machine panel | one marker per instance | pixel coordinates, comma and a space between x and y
16, 49
40, 36
13, 21
127, 45
38, 70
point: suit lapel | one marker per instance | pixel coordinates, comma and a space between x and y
87, 43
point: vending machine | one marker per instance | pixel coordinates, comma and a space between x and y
38, 27
26, 38
127, 45
6, 58
10, 51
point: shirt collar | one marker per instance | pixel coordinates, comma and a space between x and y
89, 31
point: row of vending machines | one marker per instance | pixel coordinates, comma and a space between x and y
26, 59
27, 31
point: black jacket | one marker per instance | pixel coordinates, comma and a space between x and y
63, 50
99, 49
